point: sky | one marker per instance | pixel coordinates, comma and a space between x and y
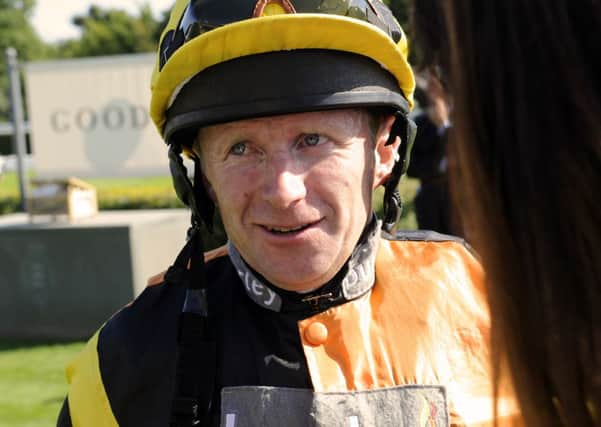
52, 18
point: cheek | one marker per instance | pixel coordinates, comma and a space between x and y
233, 188
340, 184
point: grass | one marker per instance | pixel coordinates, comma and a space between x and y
136, 193
113, 193
32, 382
146, 186
9, 193
9, 187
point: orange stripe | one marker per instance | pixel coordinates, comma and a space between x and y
216, 253
425, 322
159, 279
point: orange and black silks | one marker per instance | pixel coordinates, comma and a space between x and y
419, 336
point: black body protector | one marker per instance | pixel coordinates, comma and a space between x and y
283, 82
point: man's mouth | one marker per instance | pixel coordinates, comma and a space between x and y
288, 230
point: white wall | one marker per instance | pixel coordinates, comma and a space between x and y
89, 117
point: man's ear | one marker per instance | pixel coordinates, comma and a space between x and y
386, 155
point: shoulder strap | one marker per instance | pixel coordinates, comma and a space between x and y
196, 355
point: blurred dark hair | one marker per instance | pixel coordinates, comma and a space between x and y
526, 82
421, 98
429, 29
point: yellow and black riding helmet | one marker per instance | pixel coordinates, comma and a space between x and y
225, 60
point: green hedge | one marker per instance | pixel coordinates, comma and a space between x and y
9, 204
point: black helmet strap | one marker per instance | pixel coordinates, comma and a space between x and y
406, 129
194, 196
196, 356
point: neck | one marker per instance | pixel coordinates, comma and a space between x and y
354, 279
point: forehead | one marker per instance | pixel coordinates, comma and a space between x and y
349, 122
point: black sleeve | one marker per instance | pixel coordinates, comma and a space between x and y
64, 417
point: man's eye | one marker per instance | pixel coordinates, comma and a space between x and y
238, 149
312, 139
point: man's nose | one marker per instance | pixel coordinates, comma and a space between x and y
283, 185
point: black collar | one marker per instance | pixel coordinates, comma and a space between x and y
354, 279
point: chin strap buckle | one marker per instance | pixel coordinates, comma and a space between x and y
406, 129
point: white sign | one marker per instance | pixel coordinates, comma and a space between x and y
89, 117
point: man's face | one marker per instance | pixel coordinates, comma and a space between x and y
294, 191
